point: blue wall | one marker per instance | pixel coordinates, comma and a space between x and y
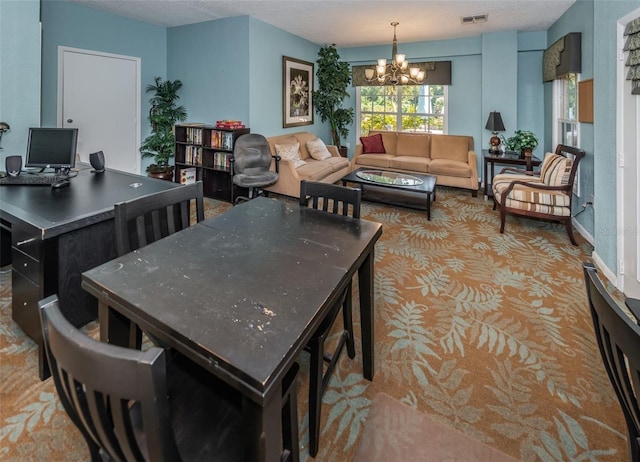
232, 69
606, 16
67, 24
578, 18
19, 73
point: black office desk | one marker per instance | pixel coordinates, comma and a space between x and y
242, 293
58, 233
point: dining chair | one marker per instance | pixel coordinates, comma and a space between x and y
250, 165
330, 198
545, 194
145, 219
133, 405
618, 336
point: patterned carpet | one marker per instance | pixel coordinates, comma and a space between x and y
489, 333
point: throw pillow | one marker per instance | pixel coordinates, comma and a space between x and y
318, 150
290, 152
372, 144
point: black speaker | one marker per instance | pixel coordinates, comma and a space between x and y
13, 165
97, 161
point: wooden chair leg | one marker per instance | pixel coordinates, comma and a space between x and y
503, 216
567, 224
315, 394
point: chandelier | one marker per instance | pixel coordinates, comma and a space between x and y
396, 72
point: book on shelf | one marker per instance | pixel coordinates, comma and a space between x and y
221, 139
194, 135
193, 155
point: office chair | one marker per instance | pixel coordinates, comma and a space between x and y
143, 220
619, 342
250, 165
135, 405
342, 199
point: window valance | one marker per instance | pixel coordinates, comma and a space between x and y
563, 57
438, 73
632, 46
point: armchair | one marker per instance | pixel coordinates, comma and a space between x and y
545, 194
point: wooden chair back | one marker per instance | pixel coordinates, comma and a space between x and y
98, 384
619, 342
321, 195
146, 219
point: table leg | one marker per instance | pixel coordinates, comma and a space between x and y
486, 179
429, 206
264, 427
365, 284
117, 329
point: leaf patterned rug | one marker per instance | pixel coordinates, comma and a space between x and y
487, 332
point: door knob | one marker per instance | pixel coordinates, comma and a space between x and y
69, 121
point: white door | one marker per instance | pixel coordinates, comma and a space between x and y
99, 94
628, 181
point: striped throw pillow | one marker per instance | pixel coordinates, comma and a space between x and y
555, 170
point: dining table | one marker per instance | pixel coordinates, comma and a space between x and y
242, 293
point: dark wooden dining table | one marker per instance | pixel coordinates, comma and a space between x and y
241, 294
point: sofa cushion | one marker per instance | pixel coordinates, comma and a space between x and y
318, 150
389, 139
302, 138
412, 145
290, 152
375, 160
315, 170
449, 167
337, 163
450, 147
417, 164
372, 144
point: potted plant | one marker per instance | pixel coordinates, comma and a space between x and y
523, 141
163, 116
334, 76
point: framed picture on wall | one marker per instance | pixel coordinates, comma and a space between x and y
297, 88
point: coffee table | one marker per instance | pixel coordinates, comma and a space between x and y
395, 188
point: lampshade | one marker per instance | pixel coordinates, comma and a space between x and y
494, 122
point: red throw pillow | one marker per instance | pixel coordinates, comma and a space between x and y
372, 144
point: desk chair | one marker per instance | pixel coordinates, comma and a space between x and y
545, 195
143, 220
135, 405
250, 165
320, 196
619, 342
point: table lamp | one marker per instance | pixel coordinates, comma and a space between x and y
494, 123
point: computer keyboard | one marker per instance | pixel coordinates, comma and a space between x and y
33, 179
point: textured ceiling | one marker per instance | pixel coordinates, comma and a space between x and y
349, 23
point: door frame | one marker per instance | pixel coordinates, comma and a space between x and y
621, 157
60, 99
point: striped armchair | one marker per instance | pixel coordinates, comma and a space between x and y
544, 194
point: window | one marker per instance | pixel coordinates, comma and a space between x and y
566, 115
566, 90
411, 108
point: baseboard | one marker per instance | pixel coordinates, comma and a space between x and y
583, 232
604, 270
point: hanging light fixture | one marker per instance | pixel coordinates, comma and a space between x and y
398, 72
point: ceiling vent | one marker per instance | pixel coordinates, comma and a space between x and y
475, 19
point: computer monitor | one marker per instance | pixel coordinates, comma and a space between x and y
52, 148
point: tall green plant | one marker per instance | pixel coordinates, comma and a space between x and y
163, 116
334, 76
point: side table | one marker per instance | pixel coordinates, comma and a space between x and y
504, 158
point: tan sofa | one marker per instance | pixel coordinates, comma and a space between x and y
327, 171
450, 157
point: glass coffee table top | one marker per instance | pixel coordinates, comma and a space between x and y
389, 178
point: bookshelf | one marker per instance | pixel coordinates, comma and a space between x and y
208, 149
